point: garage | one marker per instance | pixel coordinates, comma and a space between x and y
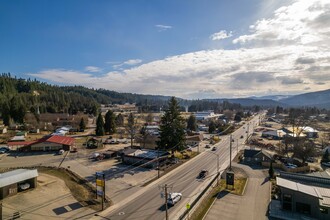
16, 181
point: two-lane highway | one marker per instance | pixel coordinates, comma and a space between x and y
150, 205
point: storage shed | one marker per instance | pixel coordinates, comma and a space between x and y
17, 180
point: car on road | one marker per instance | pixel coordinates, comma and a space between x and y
214, 148
202, 174
207, 146
173, 198
242, 136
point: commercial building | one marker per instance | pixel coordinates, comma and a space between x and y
145, 157
15, 181
47, 143
302, 196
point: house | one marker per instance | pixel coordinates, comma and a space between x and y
274, 134
194, 140
17, 180
3, 130
302, 197
47, 143
256, 156
310, 132
145, 157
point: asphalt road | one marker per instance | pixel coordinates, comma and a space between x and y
150, 205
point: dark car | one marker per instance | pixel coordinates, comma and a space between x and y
214, 148
202, 174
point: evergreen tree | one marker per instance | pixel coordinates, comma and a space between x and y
191, 123
131, 127
271, 170
212, 127
238, 117
119, 120
99, 125
109, 125
172, 128
326, 156
82, 124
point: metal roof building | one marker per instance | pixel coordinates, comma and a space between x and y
11, 181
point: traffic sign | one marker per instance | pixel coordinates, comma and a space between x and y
99, 182
188, 206
99, 192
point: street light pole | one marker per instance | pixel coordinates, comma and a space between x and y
218, 169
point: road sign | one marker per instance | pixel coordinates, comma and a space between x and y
99, 182
188, 206
99, 192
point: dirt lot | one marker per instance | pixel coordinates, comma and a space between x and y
52, 199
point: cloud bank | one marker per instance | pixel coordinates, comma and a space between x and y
286, 53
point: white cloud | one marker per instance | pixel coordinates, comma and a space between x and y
283, 54
132, 62
162, 27
93, 69
221, 35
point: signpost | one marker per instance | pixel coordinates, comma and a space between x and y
188, 208
100, 183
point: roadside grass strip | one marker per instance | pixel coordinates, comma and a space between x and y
202, 210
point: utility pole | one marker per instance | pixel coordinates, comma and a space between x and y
158, 162
218, 169
165, 194
247, 132
229, 152
166, 202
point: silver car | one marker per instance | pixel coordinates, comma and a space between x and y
173, 198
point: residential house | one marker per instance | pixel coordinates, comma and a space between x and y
194, 140
256, 156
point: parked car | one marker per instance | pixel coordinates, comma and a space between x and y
2, 151
24, 186
207, 146
291, 165
327, 164
189, 149
202, 174
214, 148
173, 198
311, 159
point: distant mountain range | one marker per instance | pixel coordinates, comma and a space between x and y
319, 99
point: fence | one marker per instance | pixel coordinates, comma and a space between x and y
284, 168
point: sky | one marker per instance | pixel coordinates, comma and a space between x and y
185, 48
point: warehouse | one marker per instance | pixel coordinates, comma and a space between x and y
16, 181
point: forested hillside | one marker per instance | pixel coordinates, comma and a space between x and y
18, 96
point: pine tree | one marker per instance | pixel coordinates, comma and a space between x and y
191, 123
271, 170
82, 124
172, 125
212, 127
99, 125
119, 120
326, 156
109, 125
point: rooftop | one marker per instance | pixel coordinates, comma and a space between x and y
16, 176
319, 192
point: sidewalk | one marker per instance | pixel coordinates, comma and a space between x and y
252, 205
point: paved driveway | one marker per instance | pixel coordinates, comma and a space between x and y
252, 205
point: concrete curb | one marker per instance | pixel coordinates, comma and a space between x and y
247, 180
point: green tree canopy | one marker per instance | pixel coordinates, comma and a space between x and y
109, 124
99, 125
191, 123
82, 124
172, 125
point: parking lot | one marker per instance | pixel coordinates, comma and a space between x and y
50, 200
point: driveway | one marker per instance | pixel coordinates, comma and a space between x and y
252, 205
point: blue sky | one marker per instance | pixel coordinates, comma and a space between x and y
173, 47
